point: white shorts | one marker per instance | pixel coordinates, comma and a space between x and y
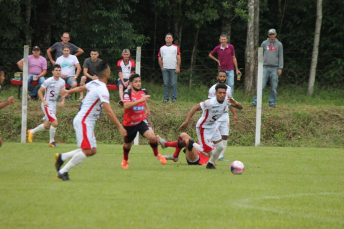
223, 126
49, 113
84, 134
206, 137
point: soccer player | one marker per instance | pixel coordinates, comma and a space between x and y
206, 128
193, 156
84, 122
10, 100
223, 121
134, 120
53, 86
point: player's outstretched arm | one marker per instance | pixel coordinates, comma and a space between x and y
74, 90
10, 101
234, 115
113, 118
129, 105
189, 116
235, 104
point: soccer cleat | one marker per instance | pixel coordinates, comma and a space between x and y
52, 144
223, 159
253, 105
30, 136
125, 164
210, 166
162, 159
161, 141
165, 101
58, 161
170, 157
63, 176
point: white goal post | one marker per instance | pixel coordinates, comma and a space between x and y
138, 71
24, 94
259, 96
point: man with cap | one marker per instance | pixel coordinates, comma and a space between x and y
272, 66
37, 70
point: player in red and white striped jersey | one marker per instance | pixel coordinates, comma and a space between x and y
97, 97
135, 112
52, 87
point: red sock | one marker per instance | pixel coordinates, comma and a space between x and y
125, 153
154, 146
171, 144
176, 152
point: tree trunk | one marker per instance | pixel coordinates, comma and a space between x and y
42, 25
178, 25
315, 48
226, 28
28, 38
193, 57
252, 46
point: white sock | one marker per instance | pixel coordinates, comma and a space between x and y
198, 147
217, 151
37, 129
52, 133
76, 159
224, 142
66, 156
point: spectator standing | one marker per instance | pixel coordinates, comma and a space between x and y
57, 48
169, 62
68, 64
125, 67
272, 65
226, 60
37, 69
89, 68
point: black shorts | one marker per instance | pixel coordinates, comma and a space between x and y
119, 82
142, 127
193, 163
88, 80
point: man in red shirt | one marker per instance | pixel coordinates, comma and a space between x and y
226, 60
134, 120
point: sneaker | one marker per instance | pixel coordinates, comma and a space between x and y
165, 101
223, 159
63, 176
161, 141
69, 98
272, 105
210, 166
170, 157
52, 144
253, 105
120, 103
125, 164
30, 136
162, 159
58, 161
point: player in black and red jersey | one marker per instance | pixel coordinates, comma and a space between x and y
134, 120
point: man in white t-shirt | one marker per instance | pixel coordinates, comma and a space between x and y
125, 67
169, 62
68, 64
52, 87
84, 122
206, 128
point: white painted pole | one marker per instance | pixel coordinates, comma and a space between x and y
259, 96
24, 94
138, 71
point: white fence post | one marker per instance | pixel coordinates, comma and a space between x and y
259, 96
24, 94
138, 71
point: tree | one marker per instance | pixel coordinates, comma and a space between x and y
251, 58
315, 48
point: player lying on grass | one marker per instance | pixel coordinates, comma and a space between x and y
53, 86
84, 122
10, 100
135, 111
193, 156
206, 128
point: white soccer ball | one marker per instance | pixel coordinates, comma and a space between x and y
237, 167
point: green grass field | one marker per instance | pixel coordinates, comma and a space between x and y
280, 188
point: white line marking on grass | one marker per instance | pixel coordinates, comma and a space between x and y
246, 203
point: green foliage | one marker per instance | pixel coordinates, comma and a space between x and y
280, 188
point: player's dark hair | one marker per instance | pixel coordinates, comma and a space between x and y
223, 35
2, 69
65, 47
101, 68
169, 34
222, 71
221, 86
133, 76
56, 66
65, 33
94, 50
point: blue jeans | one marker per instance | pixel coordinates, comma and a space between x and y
230, 80
170, 78
269, 73
30, 87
